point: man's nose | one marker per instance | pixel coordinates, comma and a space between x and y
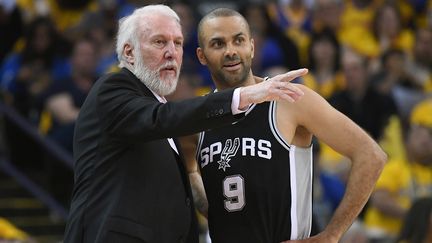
230, 51
171, 50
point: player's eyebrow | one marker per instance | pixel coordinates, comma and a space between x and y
213, 39
238, 34
234, 36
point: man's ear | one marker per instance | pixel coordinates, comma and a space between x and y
128, 53
252, 48
200, 55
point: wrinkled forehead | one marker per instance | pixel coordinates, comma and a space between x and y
158, 24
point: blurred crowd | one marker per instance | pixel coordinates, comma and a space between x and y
370, 59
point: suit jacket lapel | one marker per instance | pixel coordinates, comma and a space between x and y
179, 157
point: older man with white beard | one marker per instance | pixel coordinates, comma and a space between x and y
130, 181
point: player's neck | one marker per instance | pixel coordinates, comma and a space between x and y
250, 80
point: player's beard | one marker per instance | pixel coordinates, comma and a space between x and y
234, 80
151, 78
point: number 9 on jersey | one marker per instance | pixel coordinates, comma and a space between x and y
233, 190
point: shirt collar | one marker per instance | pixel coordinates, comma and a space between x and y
158, 97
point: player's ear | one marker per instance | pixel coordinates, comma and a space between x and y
128, 53
200, 55
252, 47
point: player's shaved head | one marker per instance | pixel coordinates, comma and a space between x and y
217, 13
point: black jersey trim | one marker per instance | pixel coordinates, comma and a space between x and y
273, 128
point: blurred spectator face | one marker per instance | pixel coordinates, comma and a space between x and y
323, 52
419, 143
328, 12
187, 17
255, 17
84, 57
395, 63
423, 47
98, 35
42, 39
354, 70
388, 22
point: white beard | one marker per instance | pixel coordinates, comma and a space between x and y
151, 77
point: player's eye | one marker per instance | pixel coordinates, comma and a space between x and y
217, 44
239, 40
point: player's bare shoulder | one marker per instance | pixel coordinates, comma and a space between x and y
290, 116
308, 98
308, 106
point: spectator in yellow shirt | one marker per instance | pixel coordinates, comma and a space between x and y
402, 182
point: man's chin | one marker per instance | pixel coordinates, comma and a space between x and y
167, 90
234, 80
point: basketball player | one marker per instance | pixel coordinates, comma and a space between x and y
257, 172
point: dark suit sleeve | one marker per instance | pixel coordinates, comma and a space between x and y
127, 113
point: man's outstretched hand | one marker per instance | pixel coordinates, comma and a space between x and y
276, 88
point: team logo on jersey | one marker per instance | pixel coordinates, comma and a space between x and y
216, 152
229, 151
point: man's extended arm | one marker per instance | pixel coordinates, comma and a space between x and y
127, 114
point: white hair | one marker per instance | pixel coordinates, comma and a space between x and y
128, 32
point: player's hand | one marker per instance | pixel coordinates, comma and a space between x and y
276, 88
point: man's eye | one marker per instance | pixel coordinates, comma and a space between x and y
239, 40
217, 44
160, 42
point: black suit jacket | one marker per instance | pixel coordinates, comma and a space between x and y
130, 186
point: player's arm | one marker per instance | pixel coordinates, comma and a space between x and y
189, 146
200, 198
344, 136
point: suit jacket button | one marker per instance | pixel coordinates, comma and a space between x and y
188, 202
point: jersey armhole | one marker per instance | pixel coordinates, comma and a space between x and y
273, 126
